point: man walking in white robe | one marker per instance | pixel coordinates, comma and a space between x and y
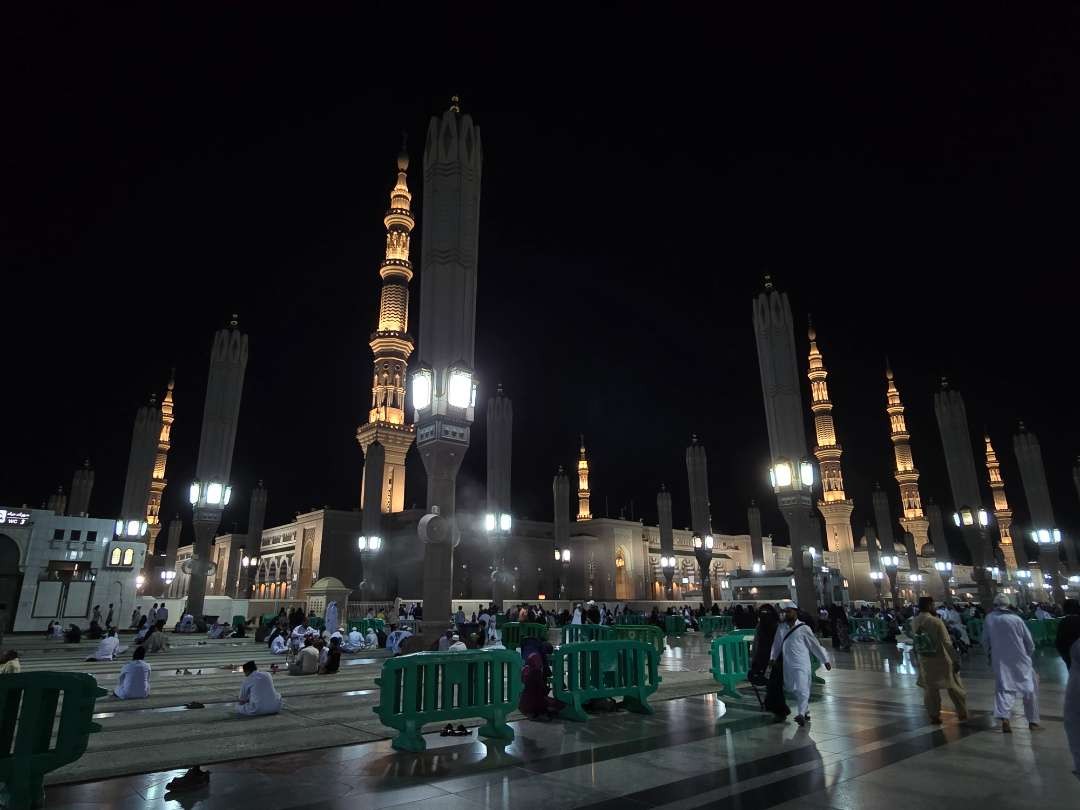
257, 693
795, 642
1009, 645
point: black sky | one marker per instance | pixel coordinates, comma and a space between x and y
907, 175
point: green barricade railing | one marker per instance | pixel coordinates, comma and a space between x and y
28, 723
604, 669
500, 620
364, 624
1043, 631
730, 661
431, 687
514, 632
815, 665
1035, 627
647, 633
674, 625
631, 618
745, 631
715, 624
573, 633
868, 629
974, 630
317, 623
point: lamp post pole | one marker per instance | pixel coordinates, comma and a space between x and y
876, 577
703, 551
944, 569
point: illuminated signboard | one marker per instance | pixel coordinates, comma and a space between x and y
14, 517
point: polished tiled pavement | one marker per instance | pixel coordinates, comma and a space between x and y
869, 745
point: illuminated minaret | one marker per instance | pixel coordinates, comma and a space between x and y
391, 345
834, 506
583, 512
907, 476
158, 482
1002, 513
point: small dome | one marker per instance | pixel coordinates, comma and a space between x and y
328, 583
928, 550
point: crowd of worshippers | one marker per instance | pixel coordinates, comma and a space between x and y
311, 651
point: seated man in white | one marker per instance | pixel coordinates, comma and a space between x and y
278, 646
257, 693
134, 677
107, 648
187, 624
354, 642
371, 640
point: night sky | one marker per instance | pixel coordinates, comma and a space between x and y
906, 174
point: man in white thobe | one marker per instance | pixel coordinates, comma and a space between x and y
107, 648
1009, 645
134, 677
257, 693
795, 642
278, 646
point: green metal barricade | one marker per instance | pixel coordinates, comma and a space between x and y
1035, 627
431, 687
730, 661
631, 618
647, 633
33, 739
500, 620
674, 625
868, 629
715, 624
514, 632
363, 625
589, 670
573, 633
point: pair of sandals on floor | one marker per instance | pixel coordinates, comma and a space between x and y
450, 731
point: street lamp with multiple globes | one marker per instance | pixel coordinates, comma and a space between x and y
243, 574
916, 581
793, 484
167, 578
1023, 583
1048, 542
367, 545
876, 576
560, 582
890, 562
703, 551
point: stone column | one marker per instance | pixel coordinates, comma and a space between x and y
784, 416
667, 541
560, 491
753, 518
697, 474
500, 426
57, 502
140, 472
873, 558
168, 554
221, 411
1046, 533
364, 572
239, 577
960, 461
82, 484
939, 544
886, 538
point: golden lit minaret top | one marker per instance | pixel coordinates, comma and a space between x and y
158, 482
583, 484
391, 346
828, 450
907, 476
1002, 512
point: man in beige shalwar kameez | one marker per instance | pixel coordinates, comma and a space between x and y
937, 668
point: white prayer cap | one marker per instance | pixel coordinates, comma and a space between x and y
1001, 601
455, 637
787, 604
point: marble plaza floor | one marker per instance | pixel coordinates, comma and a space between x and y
869, 745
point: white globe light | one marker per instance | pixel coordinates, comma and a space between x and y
193, 494
421, 390
489, 522
782, 475
374, 543
459, 389
214, 492
133, 528
504, 522
361, 543
806, 471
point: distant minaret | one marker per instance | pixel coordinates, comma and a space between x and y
158, 482
57, 502
835, 506
82, 484
132, 523
391, 345
583, 484
1002, 513
907, 476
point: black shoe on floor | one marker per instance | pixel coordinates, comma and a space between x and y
194, 705
194, 779
448, 730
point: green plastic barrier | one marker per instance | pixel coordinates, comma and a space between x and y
815, 665
674, 625
431, 687
647, 633
631, 618
514, 632
239, 621
573, 633
868, 629
317, 624
500, 620
745, 631
730, 661
269, 618
364, 624
975, 630
604, 669
715, 624
28, 723
1043, 631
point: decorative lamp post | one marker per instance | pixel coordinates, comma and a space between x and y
1023, 583
876, 576
944, 569
703, 551
667, 541
367, 546
891, 564
167, 577
916, 581
497, 527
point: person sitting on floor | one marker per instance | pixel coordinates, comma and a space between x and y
9, 663
257, 694
278, 646
155, 640
107, 648
134, 677
535, 703
371, 640
456, 644
333, 657
306, 661
94, 631
354, 642
187, 624
73, 635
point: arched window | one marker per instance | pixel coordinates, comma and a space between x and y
129, 556
114, 557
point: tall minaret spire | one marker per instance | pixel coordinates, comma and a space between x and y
835, 506
583, 484
391, 345
907, 477
158, 482
1002, 512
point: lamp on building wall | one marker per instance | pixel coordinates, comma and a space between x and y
131, 528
